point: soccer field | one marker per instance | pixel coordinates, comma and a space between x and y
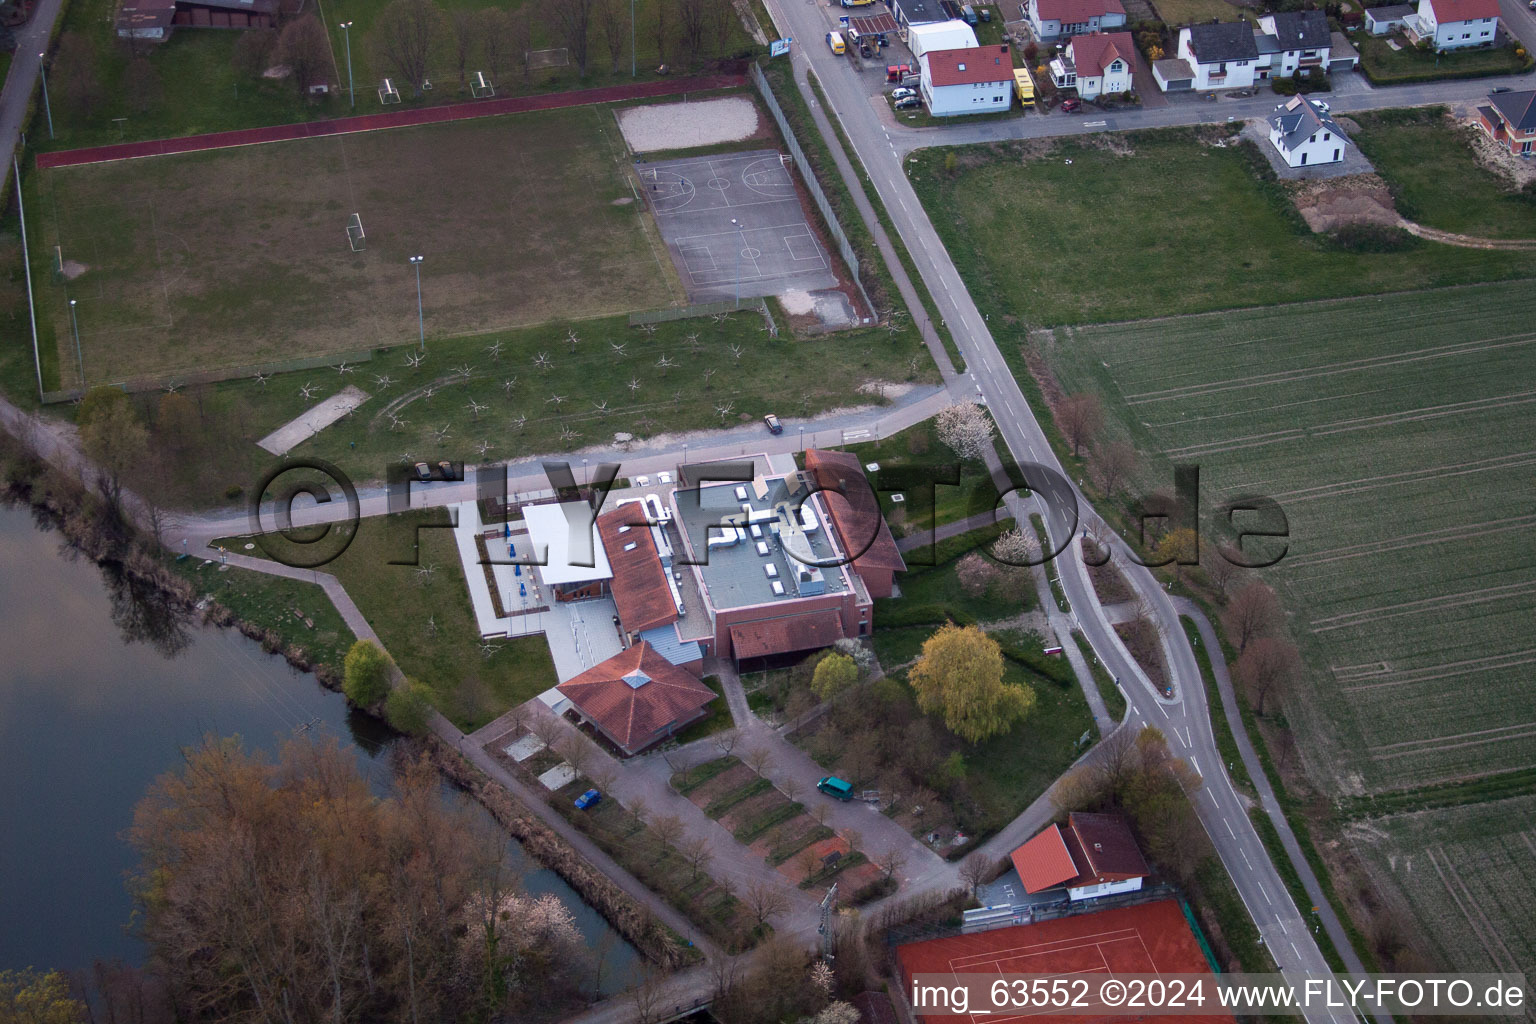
238, 257
1395, 432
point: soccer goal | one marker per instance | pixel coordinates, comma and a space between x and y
558, 57
388, 93
355, 235
480, 87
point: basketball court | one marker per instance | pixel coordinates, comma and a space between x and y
1153, 938
734, 225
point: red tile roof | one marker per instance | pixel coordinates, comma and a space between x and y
1044, 862
632, 715
801, 632
1091, 54
1464, 10
975, 64
1109, 851
1073, 12
852, 504
640, 589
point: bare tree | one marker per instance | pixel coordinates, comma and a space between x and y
74, 72
853, 837
821, 812
306, 50
808, 861
662, 10
466, 28
572, 20
603, 773
1080, 418
610, 17
891, 860
725, 742
1221, 570
667, 828
692, 16
577, 753
405, 36
1253, 612
1267, 668
974, 870
765, 901
791, 787
548, 729
522, 39
759, 759
697, 853
1113, 463
646, 997
640, 809
253, 52
496, 42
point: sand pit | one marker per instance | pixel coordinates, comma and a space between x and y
685, 125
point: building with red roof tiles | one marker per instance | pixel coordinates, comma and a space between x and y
1061, 19
1509, 118
855, 512
1092, 855
1454, 24
637, 698
642, 593
1096, 64
974, 80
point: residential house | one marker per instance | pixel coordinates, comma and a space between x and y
856, 516
1292, 41
1096, 64
1342, 55
1381, 20
1093, 855
1173, 75
940, 35
1454, 24
1053, 20
1305, 134
978, 80
1222, 55
637, 698
1509, 118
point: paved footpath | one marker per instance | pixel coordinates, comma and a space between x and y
391, 119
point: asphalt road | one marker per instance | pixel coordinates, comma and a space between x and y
1184, 717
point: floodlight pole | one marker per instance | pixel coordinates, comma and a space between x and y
737, 226
421, 323
631, 38
347, 36
80, 359
42, 70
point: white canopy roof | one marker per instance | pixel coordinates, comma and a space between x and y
549, 530
941, 35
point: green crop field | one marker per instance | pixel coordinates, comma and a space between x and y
1395, 433
1467, 874
239, 257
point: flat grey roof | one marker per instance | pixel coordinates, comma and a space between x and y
734, 573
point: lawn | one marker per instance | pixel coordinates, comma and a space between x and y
915, 454
934, 593
423, 618
1181, 226
1189, 12
1393, 432
200, 90
716, 720
1418, 150
1386, 66
521, 219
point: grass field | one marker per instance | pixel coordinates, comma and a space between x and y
1181, 226
1418, 150
1384, 65
1188, 12
240, 256
1466, 873
1394, 432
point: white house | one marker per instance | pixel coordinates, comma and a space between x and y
1092, 855
1223, 55
1305, 135
1454, 24
1381, 20
975, 80
1096, 64
940, 35
1059, 19
1291, 42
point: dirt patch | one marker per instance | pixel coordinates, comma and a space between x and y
1142, 640
686, 125
623, 201
857, 877
1518, 172
1039, 367
1328, 203
750, 809
732, 778
73, 269
1108, 582
1113, 142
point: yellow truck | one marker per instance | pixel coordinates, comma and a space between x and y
1024, 86
835, 42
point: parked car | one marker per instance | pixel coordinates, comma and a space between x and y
865, 51
985, 12
1321, 105
447, 471
774, 426
908, 103
591, 798
423, 471
835, 787
1070, 104
1532, 5
902, 93
896, 72
1505, 88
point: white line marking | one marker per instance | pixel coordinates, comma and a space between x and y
1196, 763
1282, 925
1229, 829
1296, 951
1266, 894
1164, 711
1245, 857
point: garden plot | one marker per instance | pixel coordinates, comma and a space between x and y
1394, 432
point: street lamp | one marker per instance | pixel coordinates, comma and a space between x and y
75, 323
347, 36
43, 71
421, 323
631, 38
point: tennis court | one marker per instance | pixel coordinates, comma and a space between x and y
1153, 938
734, 225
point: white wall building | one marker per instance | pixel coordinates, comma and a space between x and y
1305, 135
1222, 55
1291, 42
1454, 24
940, 35
977, 80
1096, 64
1060, 19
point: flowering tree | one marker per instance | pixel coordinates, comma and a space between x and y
965, 429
